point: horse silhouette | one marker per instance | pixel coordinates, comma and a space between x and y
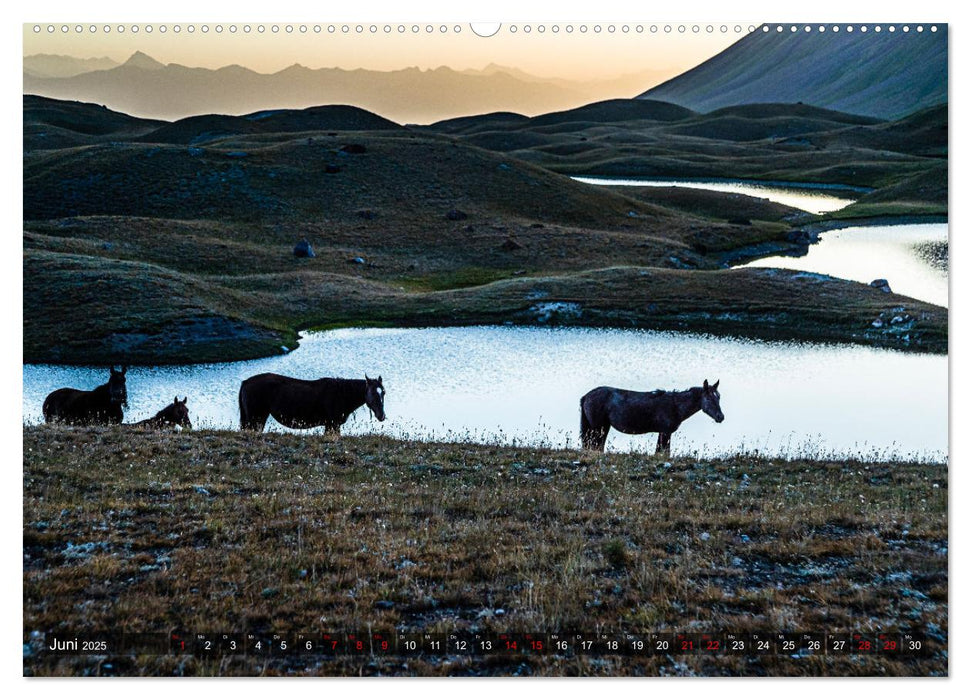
103, 405
176, 413
638, 412
307, 403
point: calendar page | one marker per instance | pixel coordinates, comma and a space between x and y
423, 348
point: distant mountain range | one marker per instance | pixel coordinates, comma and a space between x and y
883, 75
147, 88
886, 75
45, 65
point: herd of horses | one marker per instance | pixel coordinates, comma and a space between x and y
328, 402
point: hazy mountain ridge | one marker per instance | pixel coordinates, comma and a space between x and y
145, 87
886, 75
45, 65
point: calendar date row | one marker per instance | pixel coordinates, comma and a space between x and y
371, 643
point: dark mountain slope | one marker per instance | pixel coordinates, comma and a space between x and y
886, 75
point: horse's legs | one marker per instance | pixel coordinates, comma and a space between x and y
603, 438
599, 439
663, 443
254, 421
593, 435
249, 418
595, 438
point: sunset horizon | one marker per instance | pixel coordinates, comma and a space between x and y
543, 55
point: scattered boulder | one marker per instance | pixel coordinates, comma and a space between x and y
456, 215
354, 148
881, 284
510, 244
303, 249
801, 237
367, 214
331, 168
357, 261
537, 225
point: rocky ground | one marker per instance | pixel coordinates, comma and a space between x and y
128, 531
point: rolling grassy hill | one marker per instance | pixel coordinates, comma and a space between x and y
140, 246
887, 74
779, 142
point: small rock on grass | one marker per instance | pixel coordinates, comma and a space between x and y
303, 249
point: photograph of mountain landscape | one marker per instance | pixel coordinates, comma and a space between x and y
589, 349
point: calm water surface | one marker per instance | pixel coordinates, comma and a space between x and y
524, 385
903, 255
817, 200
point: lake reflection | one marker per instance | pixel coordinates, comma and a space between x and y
911, 257
816, 200
524, 385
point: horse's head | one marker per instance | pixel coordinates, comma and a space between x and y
178, 413
710, 401
116, 387
374, 396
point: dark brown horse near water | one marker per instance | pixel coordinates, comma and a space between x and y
638, 412
175, 414
307, 403
103, 405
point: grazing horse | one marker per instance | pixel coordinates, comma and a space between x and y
638, 412
100, 406
307, 403
175, 414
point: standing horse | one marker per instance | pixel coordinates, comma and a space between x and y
101, 406
175, 414
305, 403
638, 412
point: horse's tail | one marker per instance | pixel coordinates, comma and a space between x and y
244, 421
584, 426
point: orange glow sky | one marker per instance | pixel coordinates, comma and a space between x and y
577, 56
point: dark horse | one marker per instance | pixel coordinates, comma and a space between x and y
176, 413
306, 403
638, 412
100, 406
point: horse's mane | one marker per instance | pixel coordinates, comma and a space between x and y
664, 392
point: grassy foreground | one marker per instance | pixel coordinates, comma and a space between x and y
218, 531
